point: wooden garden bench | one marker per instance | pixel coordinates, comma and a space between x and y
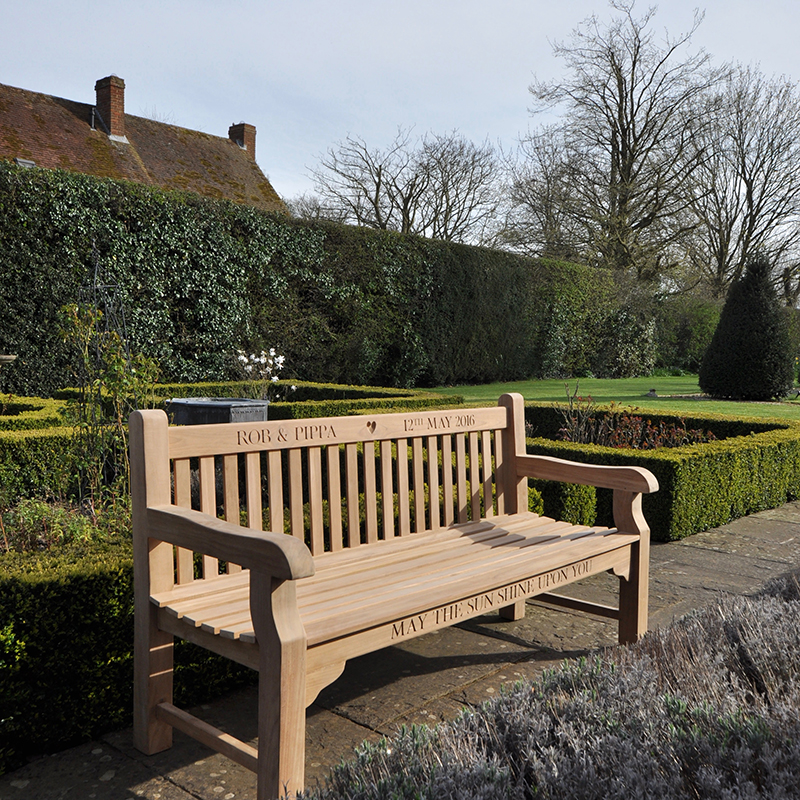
400, 524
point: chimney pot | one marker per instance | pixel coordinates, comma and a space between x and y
245, 136
110, 104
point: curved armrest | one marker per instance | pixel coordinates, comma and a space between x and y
630, 479
276, 554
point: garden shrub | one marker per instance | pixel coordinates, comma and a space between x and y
626, 346
684, 328
36, 463
750, 356
66, 649
570, 502
29, 413
701, 486
571, 307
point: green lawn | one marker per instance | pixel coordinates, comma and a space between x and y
628, 391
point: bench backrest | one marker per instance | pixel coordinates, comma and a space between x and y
339, 482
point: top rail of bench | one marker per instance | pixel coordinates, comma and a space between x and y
248, 437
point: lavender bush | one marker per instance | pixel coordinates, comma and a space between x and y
708, 707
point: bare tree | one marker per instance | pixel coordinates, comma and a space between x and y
310, 206
541, 205
626, 131
371, 187
442, 186
460, 198
746, 190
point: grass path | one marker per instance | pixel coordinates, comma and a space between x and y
629, 392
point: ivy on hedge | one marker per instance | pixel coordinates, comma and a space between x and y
200, 278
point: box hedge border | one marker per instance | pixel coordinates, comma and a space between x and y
66, 654
702, 486
36, 463
30, 413
41, 462
307, 399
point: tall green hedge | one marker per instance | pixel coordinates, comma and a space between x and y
200, 278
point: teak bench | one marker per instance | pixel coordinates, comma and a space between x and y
400, 524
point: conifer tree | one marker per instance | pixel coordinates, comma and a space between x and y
750, 355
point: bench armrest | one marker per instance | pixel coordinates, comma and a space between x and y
284, 557
630, 479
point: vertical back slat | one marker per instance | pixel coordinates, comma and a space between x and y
334, 496
208, 505
275, 489
183, 497
434, 516
474, 475
230, 488
370, 492
461, 477
353, 519
486, 452
315, 501
417, 468
387, 490
403, 499
499, 471
296, 493
447, 478
252, 478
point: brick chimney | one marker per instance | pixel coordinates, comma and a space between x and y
245, 136
110, 103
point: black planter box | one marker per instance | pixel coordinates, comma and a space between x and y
209, 410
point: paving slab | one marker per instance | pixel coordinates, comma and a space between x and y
378, 688
425, 680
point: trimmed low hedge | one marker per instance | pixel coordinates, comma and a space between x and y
29, 413
37, 454
35, 463
702, 485
66, 654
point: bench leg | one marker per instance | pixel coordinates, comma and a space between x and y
514, 611
152, 682
633, 592
281, 690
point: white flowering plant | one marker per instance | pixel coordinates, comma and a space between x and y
261, 372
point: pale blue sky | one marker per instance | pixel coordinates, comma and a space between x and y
308, 72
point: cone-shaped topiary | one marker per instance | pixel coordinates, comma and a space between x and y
750, 356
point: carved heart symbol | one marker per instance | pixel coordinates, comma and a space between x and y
371, 426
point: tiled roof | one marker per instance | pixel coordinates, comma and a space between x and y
58, 134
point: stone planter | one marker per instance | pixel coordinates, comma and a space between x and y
209, 410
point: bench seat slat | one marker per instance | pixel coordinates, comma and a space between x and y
409, 546
404, 601
519, 555
382, 589
422, 558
